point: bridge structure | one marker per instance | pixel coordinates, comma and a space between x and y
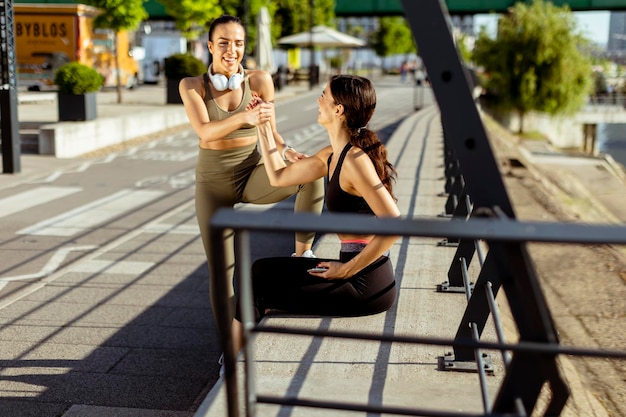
482, 225
345, 8
603, 110
394, 7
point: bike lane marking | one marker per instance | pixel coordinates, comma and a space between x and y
37, 196
92, 214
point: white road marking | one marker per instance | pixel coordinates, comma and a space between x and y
51, 266
151, 181
92, 214
176, 229
83, 167
183, 179
55, 175
95, 254
164, 155
180, 180
112, 267
35, 197
52, 177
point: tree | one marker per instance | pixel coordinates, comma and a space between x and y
288, 16
118, 15
535, 62
463, 48
192, 17
599, 80
393, 37
295, 16
247, 11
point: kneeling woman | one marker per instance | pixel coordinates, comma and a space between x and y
360, 178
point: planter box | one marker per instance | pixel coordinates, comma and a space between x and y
68, 139
173, 96
77, 107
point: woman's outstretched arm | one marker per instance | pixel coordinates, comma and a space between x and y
279, 172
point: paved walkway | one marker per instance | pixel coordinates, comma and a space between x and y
118, 314
393, 375
39, 109
401, 375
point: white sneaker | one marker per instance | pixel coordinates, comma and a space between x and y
220, 362
307, 254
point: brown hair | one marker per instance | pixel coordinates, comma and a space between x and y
222, 20
358, 98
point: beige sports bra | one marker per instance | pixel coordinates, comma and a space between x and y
217, 113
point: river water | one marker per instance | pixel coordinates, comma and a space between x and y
611, 140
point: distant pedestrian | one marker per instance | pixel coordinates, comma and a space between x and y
404, 71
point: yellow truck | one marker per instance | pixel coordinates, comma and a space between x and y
49, 35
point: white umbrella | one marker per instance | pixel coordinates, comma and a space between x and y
323, 36
264, 51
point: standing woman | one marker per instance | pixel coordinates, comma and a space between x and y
229, 169
361, 281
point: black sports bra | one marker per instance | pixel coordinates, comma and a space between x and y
337, 200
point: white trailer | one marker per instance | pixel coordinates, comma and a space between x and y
157, 47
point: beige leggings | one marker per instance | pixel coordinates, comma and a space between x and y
227, 177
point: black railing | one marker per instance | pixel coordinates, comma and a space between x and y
530, 362
607, 99
484, 217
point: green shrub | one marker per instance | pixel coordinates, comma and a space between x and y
76, 78
336, 62
179, 66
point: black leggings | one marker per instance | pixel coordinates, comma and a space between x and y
284, 284
230, 176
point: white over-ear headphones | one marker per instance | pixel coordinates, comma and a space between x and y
221, 83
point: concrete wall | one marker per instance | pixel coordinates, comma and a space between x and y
71, 139
562, 132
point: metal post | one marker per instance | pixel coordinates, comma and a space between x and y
8, 92
312, 77
419, 95
245, 18
219, 238
527, 373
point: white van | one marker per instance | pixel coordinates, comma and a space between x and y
157, 47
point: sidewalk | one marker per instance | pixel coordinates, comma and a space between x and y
596, 180
336, 370
117, 315
145, 104
591, 188
398, 375
375, 373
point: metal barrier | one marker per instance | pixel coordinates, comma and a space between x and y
530, 363
607, 99
479, 304
457, 204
